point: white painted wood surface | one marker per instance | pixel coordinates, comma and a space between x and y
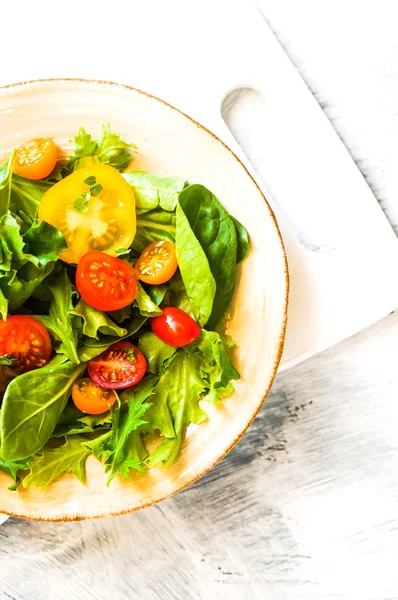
306, 506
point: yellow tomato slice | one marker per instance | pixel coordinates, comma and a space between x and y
108, 222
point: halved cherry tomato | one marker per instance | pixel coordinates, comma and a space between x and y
35, 159
90, 398
120, 366
105, 282
175, 327
107, 222
157, 263
26, 339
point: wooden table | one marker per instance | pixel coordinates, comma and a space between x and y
306, 506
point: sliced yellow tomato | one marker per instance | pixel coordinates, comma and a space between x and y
107, 221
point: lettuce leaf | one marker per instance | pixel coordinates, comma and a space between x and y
175, 404
96, 322
146, 306
154, 191
156, 352
26, 195
154, 225
52, 462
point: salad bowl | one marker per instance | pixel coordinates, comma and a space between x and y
168, 142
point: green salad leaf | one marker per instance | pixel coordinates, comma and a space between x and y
26, 195
175, 403
44, 241
31, 407
52, 462
205, 228
3, 305
122, 450
195, 270
59, 320
155, 225
110, 149
146, 306
154, 191
156, 352
242, 239
5, 185
96, 322
13, 469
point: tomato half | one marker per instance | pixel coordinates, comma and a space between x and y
157, 263
175, 327
105, 282
120, 366
90, 398
26, 339
35, 159
106, 221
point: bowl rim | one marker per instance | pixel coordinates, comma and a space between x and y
282, 333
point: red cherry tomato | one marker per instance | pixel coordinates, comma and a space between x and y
105, 282
120, 366
175, 327
25, 339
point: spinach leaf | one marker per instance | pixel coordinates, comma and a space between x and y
243, 240
122, 454
26, 195
175, 403
201, 217
5, 185
153, 191
96, 322
146, 306
156, 352
153, 226
31, 408
195, 269
52, 462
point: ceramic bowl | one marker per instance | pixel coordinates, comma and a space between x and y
169, 143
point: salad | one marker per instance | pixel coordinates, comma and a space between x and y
114, 293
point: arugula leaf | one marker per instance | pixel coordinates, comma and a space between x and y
121, 454
26, 195
195, 269
59, 321
153, 191
243, 240
52, 462
154, 225
113, 150
95, 421
176, 404
31, 408
201, 217
146, 306
96, 322
5, 185
156, 352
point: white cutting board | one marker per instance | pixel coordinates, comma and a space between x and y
342, 252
